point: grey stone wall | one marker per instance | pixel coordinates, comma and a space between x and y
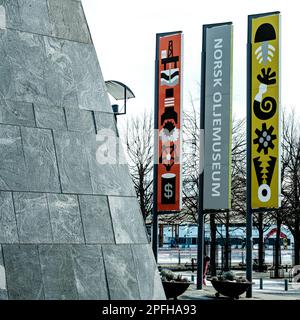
70, 225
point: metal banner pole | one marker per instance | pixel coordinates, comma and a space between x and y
154, 210
249, 219
154, 232
200, 246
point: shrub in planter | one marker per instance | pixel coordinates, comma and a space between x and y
229, 285
168, 275
174, 285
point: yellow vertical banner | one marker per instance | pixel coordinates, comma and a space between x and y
265, 112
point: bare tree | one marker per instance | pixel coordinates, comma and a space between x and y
191, 163
139, 143
191, 159
290, 176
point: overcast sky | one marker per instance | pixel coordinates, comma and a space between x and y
124, 36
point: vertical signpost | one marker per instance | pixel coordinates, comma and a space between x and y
167, 125
263, 143
215, 124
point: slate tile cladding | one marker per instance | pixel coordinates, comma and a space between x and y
78, 271
50, 160
8, 223
33, 217
40, 160
50, 117
70, 225
3, 286
16, 113
95, 212
57, 18
50, 71
12, 169
23, 272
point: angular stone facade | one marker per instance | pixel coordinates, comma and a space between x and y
70, 225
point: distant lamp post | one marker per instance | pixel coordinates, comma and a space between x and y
119, 91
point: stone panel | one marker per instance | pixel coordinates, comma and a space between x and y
120, 272
146, 272
22, 67
8, 226
109, 171
12, 169
32, 217
80, 120
6, 80
89, 272
65, 218
72, 161
57, 272
3, 288
16, 113
51, 117
91, 89
23, 272
59, 78
127, 220
27, 15
105, 123
40, 159
68, 20
96, 219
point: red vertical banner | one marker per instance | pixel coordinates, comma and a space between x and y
168, 121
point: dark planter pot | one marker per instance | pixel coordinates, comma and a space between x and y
174, 289
230, 289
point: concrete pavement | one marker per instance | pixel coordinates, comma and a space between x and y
272, 290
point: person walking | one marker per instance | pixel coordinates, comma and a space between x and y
205, 268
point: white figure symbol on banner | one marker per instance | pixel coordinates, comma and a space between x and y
265, 53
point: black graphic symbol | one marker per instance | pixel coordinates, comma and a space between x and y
264, 138
266, 109
169, 93
264, 34
168, 188
270, 170
268, 77
258, 170
170, 58
264, 192
170, 75
264, 174
264, 177
168, 130
169, 113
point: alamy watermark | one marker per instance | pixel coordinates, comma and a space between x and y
110, 149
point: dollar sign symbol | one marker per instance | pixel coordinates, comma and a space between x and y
168, 191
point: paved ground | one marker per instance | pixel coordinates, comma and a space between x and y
208, 293
273, 289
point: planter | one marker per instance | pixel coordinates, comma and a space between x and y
174, 289
230, 289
